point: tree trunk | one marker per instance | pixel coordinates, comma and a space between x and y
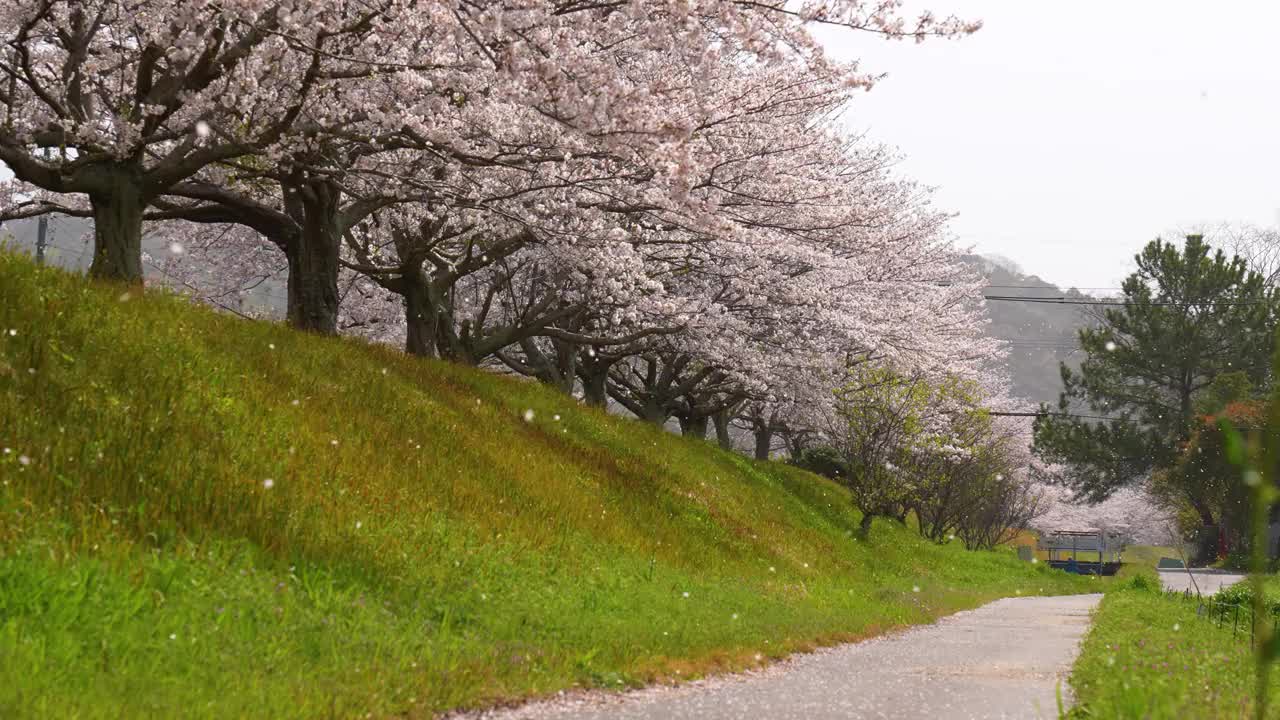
595, 389
795, 443
764, 443
117, 230
419, 318
1203, 510
566, 369
652, 412
313, 260
864, 527
721, 420
693, 426
594, 372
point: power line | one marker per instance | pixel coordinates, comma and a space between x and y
1050, 287
1048, 414
1117, 303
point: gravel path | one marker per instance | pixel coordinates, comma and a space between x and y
1003, 660
1208, 581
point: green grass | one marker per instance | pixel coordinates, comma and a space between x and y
422, 546
1241, 593
1150, 656
1142, 560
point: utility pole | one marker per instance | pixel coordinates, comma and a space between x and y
42, 230
42, 224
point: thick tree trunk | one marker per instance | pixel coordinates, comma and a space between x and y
865, 526
563, 383
693, 426
557, 369
117, 231
313, 260
764, 443
721, 420
566, 370
594, 372
419, 318
595, 389
652, 412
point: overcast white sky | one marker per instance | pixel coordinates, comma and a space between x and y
1068, 134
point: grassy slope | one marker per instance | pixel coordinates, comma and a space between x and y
1142, 560
422, 546
1149, 655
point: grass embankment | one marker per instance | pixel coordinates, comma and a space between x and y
1142, 560
208, 517
1151, 656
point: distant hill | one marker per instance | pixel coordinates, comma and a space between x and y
1040, 336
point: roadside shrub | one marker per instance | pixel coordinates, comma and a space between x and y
822, 460
1142, 583
1237, 559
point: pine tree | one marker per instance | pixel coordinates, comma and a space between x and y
1189, 317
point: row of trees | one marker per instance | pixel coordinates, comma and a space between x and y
651, 204
930, 449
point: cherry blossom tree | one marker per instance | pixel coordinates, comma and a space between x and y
468, 295
1131, 511
647, 198
221, 265
304, 205
138, 109
135, 97
1258, 245
975, 480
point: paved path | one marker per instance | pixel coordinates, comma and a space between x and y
1207, 580
1003, 660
